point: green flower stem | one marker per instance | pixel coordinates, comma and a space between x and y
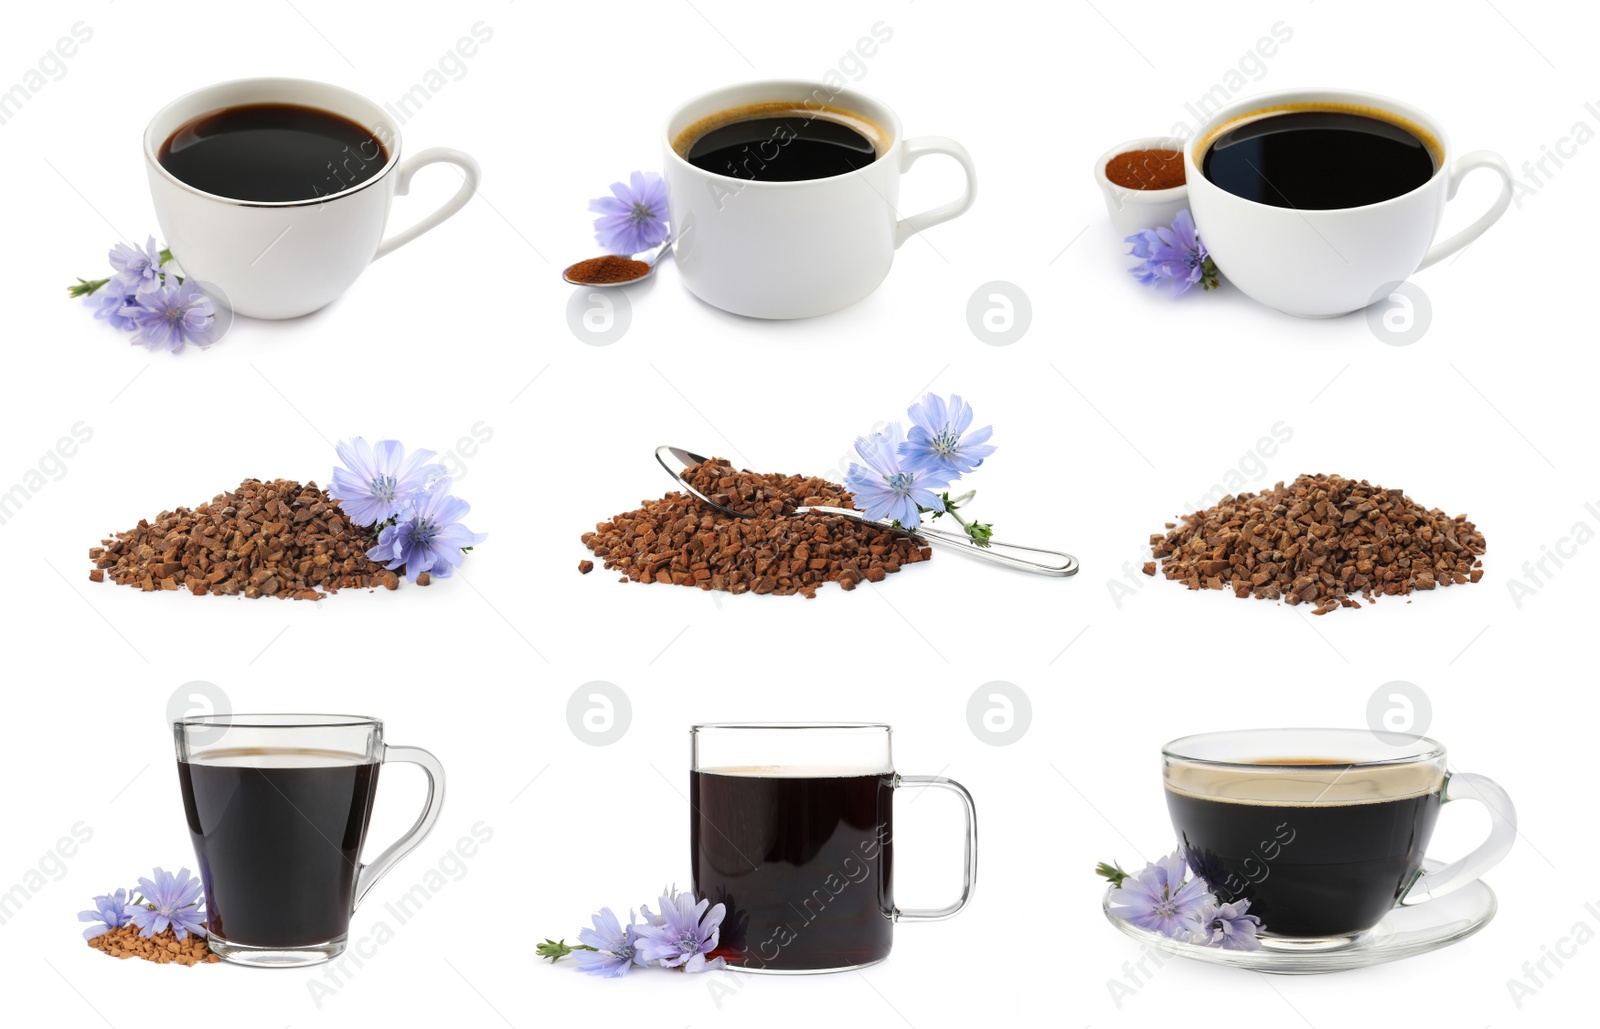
1111, 873
555, 950
979, 532
88, 287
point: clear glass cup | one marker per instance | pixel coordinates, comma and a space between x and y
278, 807
792, 828
1324, 831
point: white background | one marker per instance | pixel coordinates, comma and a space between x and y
1115, 411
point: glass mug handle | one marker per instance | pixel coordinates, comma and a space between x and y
1502, 833
970, 875
370, 873
402, 185
921, 146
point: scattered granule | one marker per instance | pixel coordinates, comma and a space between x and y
680, 541
265, 539
164, 948
585, 567
1322, 540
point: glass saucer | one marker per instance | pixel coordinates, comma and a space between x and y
1403, 933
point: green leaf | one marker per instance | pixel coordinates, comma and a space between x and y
1111, 873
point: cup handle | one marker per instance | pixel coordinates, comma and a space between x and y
402, 186
909, 153
1502, 833
1464, 165
370, 873
970, 875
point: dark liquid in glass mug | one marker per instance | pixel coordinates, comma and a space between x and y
1308, 870
1318, 160
777, 143
803, 864
279, 848
269, 153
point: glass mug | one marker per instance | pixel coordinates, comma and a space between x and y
792, 828
278, 808
1322, 830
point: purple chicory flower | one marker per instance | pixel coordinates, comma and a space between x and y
109, 303
616, 946
683, 933
938, 440
429, 537
634, 218
1158, 899
137, 271
110, 910
380, 482
174, 900
886, 490
1228, 926
172, 315
1173, 255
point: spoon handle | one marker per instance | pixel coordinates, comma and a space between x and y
1006, 555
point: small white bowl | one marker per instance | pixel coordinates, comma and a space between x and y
1134, 210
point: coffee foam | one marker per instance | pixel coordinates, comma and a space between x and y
797, 771
1435, 148
1301, 782
277, 757
874, 133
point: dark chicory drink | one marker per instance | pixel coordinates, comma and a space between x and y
781, 142
803, 860
1331, 862
1317, 160
278, 837
272, 153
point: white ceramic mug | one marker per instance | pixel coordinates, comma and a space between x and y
1318, 264
289, 258
796, 249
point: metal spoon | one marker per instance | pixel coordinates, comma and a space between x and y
666, 249
676, 460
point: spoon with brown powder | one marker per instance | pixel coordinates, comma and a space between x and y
680, 464
611, 270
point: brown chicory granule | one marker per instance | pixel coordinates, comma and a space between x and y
1321, 540
679, 540
164, 948
264, 539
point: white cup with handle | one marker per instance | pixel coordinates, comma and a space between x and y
768, 249
1324, 263
283, 259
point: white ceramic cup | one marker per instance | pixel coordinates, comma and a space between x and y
796, 249
1134, 210
285, 259
1318, 264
